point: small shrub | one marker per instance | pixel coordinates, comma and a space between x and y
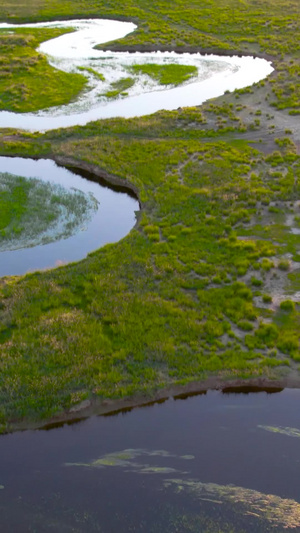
245, 325
267, 299
284, 264
287, 305
256, 282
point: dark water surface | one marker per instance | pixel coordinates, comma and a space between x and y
112, 221
209, 463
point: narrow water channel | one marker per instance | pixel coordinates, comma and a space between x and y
210, 463
113, 219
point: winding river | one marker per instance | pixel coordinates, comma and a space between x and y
73, 51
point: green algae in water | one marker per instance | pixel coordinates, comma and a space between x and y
157, 470
172, 520
125, 459
34, 212
275, 510
289, 432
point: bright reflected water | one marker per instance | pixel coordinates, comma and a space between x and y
210, 463
216, 74
112, 221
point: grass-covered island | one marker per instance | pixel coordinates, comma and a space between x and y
206, 285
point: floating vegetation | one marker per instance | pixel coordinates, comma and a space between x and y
157, 470
289, 432
35, 212
277, 511
124, 459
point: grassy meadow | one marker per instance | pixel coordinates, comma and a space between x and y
27, 82
206, 283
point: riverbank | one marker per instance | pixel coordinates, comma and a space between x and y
95, 407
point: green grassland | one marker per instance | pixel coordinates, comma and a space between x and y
27, 81
200, 286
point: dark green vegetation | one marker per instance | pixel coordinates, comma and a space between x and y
33, 212
166, 74
27, 82
195, 289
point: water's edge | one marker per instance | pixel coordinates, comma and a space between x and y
110, 179
116, 216
96, 407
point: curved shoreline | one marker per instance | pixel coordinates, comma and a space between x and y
110, 407
147, 48
110, 179
107, 225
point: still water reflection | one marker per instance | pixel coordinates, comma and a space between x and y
114, 218
207, 463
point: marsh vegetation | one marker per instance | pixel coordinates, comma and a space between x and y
165, 74
203, 275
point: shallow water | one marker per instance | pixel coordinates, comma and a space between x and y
216, 74
207, 463
112, 221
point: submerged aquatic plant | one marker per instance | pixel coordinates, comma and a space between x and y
277, 511
35, 212
289, 432
124, 459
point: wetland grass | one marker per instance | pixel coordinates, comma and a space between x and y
119, 87
27, 81
166, 74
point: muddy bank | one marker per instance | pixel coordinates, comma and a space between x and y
110, 179
148, 48
98, 407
